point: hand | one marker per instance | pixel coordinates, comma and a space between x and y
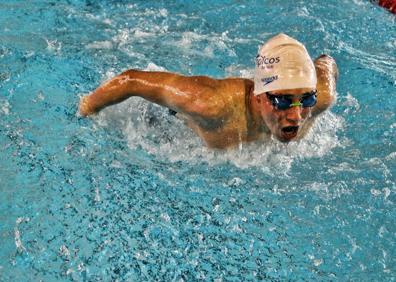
84, 107
326, 61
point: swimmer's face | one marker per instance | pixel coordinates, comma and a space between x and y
285, 124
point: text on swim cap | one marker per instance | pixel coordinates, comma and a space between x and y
262, 61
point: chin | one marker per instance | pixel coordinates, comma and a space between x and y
284, 140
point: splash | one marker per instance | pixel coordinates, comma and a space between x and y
379, 62
17, 235
153, 129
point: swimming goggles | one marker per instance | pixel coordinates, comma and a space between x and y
284, 102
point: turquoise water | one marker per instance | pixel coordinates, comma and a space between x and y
133, 195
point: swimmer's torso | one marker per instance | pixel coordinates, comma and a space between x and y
232, 123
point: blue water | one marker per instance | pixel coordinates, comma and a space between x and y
133, 195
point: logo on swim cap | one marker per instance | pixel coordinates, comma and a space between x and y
262, 61
283, 63
268, 80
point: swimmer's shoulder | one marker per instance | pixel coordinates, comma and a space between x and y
226, 100
236, 87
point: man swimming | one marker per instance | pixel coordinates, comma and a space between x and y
288, 92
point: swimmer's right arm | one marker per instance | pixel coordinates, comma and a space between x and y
190, 95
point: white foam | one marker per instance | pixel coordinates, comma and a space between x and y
351, 103
139, 33
97, 195
391, 44
5, 107
239, 71
64, 251
391, 156
154, 67
53, 45
151, 128
303, 12
189, 41
361, 3
100, 45
17, 234
378, 62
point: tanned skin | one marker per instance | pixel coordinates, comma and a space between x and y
223, 112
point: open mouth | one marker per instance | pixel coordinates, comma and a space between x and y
290, 132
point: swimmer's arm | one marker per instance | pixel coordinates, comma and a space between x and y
327, 74
190, 95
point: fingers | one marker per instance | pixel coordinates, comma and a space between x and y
84, 107
327, 64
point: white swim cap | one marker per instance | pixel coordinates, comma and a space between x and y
283, 63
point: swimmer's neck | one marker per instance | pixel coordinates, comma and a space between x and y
255, 121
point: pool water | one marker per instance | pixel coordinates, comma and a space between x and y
133, 195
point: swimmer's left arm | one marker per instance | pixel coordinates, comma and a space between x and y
327, 74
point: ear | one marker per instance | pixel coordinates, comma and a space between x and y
259, 98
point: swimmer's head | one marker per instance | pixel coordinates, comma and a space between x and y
283, 63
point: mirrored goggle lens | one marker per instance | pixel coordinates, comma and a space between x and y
283, 103
309, 101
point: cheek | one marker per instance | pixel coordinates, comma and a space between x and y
270, 117
306, 113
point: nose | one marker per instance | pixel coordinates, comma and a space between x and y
293, 114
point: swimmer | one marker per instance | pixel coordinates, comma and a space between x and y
288, 92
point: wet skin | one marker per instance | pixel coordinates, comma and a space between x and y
285, 125
223, 112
